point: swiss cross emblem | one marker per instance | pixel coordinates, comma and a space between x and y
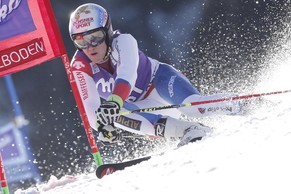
78, 65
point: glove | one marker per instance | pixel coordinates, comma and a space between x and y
107, 113
109, 134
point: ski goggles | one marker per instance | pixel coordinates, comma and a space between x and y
91, 38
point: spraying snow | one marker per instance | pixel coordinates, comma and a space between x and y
244, 154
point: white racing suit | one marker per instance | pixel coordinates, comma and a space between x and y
150, 84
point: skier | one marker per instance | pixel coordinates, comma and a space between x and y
113, 75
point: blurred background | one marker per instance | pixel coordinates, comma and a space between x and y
220, 45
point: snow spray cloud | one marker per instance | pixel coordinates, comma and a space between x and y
277, 75
232, 44
174, 30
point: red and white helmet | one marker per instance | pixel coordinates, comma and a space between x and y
88, 17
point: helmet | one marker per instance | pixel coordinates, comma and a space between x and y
88, 17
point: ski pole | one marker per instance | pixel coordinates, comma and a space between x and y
203, 102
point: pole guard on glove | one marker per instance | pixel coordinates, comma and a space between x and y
109, 134
107, 113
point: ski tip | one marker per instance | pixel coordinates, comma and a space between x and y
101, 172
106, 169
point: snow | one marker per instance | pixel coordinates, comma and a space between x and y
244, 154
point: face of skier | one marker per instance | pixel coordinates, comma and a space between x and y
96, 53
93, 44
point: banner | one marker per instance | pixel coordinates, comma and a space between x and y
16, 155
29, 35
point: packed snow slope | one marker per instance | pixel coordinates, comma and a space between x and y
244, 154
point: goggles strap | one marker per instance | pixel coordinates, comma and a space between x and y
108, 51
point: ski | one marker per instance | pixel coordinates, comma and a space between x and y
106, 169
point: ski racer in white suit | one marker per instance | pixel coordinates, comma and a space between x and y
113, 75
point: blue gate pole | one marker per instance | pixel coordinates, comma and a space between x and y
20, 121
13, 96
